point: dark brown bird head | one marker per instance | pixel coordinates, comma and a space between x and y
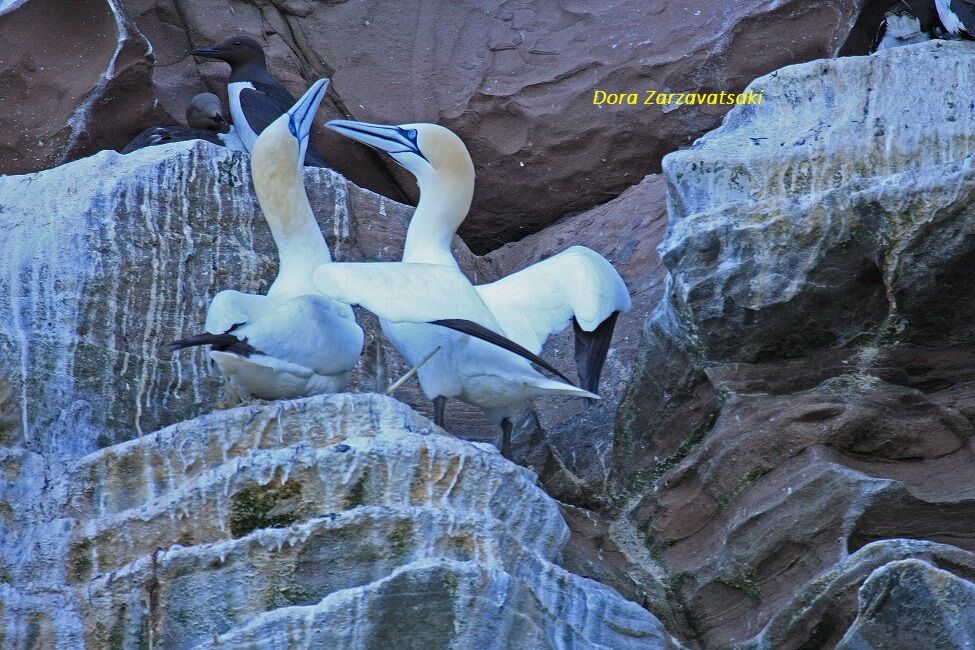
238, 51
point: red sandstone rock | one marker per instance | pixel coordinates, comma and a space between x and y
516, 83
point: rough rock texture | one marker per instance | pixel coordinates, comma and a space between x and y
346, 518
912, 604
803, 399
75, 77
111, 256
108, 258
792, 458
515, 81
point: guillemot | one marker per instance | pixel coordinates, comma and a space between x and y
292, 342
900, 28
205, 121
256, 99
577, 286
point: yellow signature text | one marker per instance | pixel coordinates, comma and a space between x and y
658, 98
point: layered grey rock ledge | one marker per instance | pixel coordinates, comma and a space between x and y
347, 520
801, 412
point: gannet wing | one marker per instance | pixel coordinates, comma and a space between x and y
403, 292
310, 331
576, 286
230, 309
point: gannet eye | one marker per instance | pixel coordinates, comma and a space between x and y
291, 127
411, 134
238, 43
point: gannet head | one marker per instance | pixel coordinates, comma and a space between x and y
433, 154
285, 140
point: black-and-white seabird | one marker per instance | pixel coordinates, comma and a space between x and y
577, 286
205, 121
957, 16
256, 99
900, 28
292, 342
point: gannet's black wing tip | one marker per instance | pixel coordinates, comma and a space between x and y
220, 342
480, 332
591, 350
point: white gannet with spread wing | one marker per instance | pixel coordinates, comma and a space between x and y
577, 286
294, 341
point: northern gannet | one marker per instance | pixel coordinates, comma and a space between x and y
957, 16
292, 342
256, 99
204, 119
576, 286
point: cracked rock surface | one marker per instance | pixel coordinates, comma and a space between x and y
514, 80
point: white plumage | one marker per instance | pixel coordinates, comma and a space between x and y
245, 134
949, 14
541, 300
293, 341
526, 307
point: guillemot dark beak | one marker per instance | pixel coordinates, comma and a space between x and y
302, 114
391, 139
209, 52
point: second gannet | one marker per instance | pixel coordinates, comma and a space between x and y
292, 342
577, 286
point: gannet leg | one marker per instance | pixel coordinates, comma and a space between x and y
438, 405
506, 426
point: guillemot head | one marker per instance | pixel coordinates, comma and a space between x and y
205, 112
286, 138
427, 150
236, 50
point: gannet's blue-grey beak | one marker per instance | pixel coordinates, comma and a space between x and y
391, 139
302, 114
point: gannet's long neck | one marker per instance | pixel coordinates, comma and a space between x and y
444, 202
301, 246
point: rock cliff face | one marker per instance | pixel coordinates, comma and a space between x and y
108, 258
803, 404
345, 521
784, 457
345, 518
515, 81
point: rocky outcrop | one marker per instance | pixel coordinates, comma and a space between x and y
912, 604
802, 404
75, 78
347, 518
783, 458
108, 258
344, 518
516, 83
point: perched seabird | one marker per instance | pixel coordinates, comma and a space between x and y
292, 342
577, 286
256, 99
204, 119
957, 16
900, 28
